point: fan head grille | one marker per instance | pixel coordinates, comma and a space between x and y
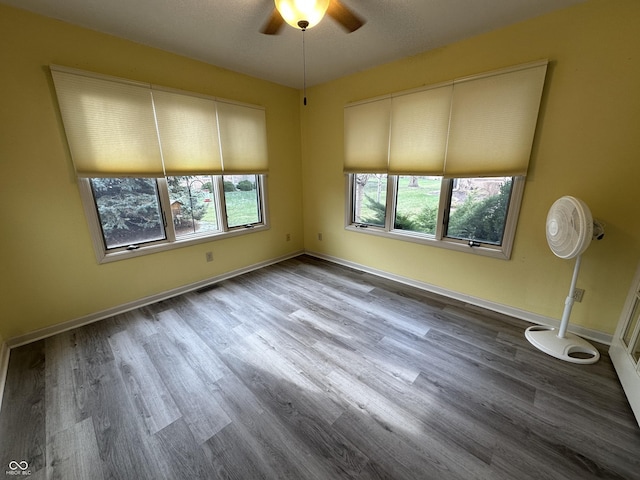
569, 227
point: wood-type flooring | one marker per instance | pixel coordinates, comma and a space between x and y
310, 370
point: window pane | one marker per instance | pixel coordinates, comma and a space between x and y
128, 210
369, 198
192, 204
417, 203
242, 200
635, 314
635, 351
478, 209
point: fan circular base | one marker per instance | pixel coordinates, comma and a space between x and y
570, 348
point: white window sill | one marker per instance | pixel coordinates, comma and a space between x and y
449, 244
163, 246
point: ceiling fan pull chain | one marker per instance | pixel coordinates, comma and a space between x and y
304, 70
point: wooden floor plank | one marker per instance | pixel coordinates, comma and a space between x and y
300, 411
309, 370
62, 392
198, 355
248, 360
562, 411
231, 458
73, 453
22, 427
203, 415
265, 439
119, 436
450, 460
144, 385
179, 453
432, 411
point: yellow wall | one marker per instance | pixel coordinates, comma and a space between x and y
588, 145
49, 270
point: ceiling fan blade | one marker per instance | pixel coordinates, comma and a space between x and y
344, 16
274, 24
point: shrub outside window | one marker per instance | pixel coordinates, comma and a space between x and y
478, 209
128, 211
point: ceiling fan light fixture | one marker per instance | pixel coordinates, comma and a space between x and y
307, 11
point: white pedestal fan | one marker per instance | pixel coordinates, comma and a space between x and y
570, 229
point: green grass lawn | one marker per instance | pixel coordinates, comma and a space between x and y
241, 208
411, 200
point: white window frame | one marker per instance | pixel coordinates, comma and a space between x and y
171, 242
502, 251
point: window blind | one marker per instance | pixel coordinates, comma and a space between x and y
367, 136
419, 124
188, 133
120, 128
243, 138
110, 126
470, 127
493, 121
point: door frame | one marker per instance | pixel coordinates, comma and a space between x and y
627, 369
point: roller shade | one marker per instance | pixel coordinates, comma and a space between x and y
366, 140
110, 126
243, 137
188, 133
419, 125
470, 127
493, 121
120, 128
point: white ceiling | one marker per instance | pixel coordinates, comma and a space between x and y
226, 33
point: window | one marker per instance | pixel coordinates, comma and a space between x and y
160, 168
444, 164
128, 211
369, 199
143, 215
193, 205
465, 214
241, 198
416, 206
477, 209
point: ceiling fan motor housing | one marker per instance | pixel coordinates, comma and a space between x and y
295, 12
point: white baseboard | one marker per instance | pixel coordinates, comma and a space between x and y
110, 312
531, 317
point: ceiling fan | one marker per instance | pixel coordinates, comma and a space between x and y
305, 14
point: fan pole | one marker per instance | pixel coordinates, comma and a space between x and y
303, 24
568, 303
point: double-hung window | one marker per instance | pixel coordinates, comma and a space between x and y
444, 165
160, 168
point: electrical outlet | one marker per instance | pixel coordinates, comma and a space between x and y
209, 256
288, 237
320, 236
578, 293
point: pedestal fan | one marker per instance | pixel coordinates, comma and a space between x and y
570, 229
